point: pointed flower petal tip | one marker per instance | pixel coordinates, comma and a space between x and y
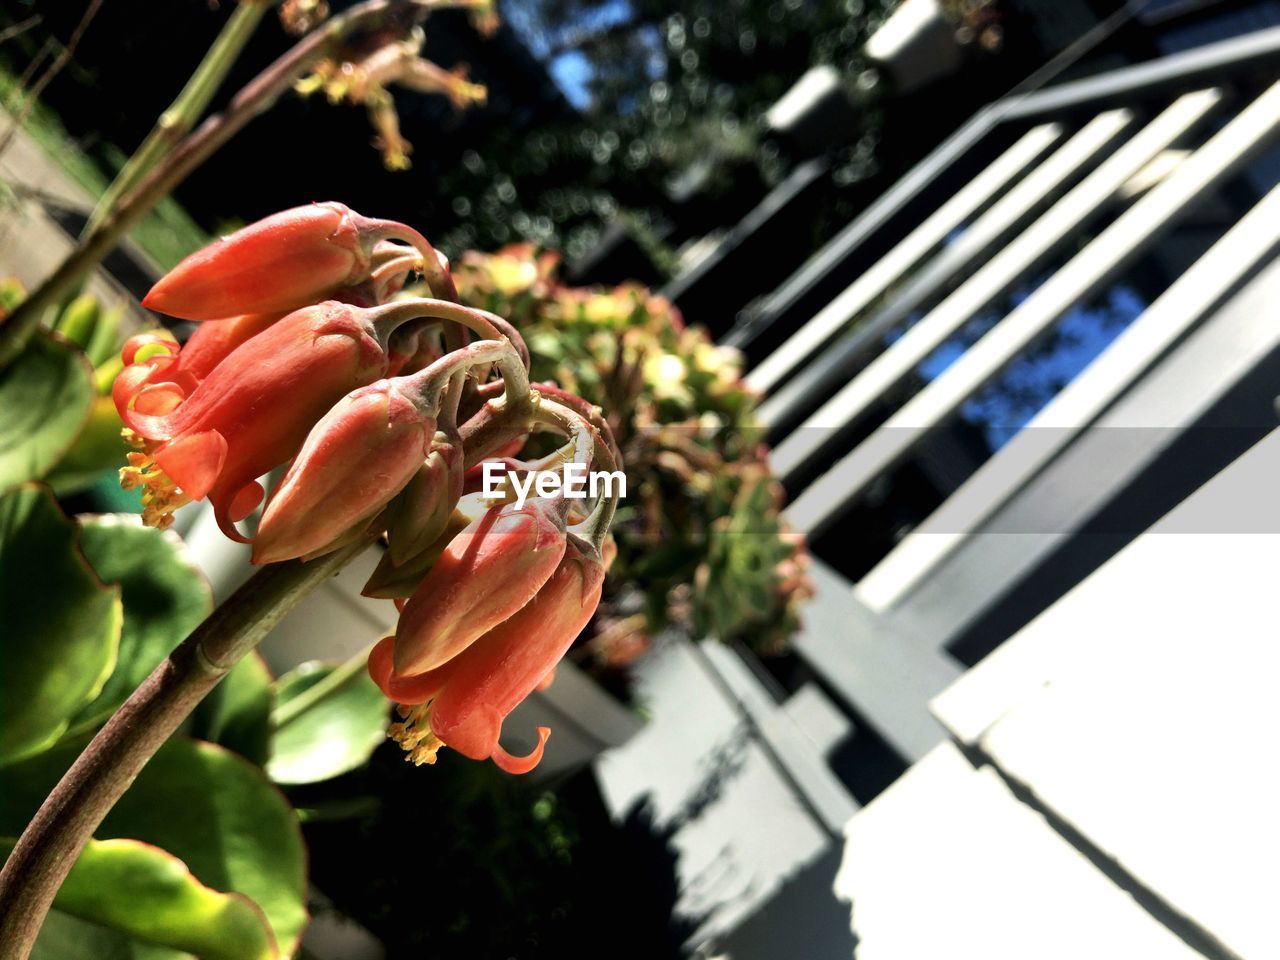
486, 573
463, 703
422, 511
354, 461
520, 765
280, 263
260, 403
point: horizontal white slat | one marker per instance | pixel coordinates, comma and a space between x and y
1162, 324
893, 265
1001, 272
1123, 240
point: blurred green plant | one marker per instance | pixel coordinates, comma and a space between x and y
203, 855
57, 420
700, 539
166, 234
663, 87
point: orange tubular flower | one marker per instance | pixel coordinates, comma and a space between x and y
486, 573
463, 703
280, 263
355, 460
251, 414
422, 513
213, 341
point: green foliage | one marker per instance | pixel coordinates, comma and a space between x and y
45, 399
215, 812
141, 891
238, 712
208, 857
331, 732
63, 937
165, 598
225, 820
673, 87
61, 624
57, 420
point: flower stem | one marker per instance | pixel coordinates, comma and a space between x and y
177, 121
104, 771
256, 97
330, 684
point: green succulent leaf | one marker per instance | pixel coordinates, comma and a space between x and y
211, 809
96, 451
78, 319
149, 895
62, 625
330, 719
237, 714
63, 937
165, 597
45, 398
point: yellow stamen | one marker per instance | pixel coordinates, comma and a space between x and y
414, 734
160, 495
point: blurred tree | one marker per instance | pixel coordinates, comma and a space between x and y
667, 90
646, 93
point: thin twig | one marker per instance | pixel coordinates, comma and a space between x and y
256, 97
37, 88
176, 122
22, 26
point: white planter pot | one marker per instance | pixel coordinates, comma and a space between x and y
915, 45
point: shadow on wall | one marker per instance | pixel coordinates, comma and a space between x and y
804, 919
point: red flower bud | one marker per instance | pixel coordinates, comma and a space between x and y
354, 461
213, 342
464, 702
423, 510
486, 573
282, 262
251, 414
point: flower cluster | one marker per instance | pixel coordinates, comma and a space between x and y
363, 71
701, 542
383, 410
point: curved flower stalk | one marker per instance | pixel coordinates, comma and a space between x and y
463, 702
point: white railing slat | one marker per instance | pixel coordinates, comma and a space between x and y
1100, 260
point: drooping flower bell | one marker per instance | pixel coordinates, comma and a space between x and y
486, 573
280, 263
422, 512
463, 703
354, 461
249, 415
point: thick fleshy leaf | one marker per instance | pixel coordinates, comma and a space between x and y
165, 597
329, 735
150, 895
98, 450
45, 399
63, 937
223, 818
237, 714
211, 809
61, 625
